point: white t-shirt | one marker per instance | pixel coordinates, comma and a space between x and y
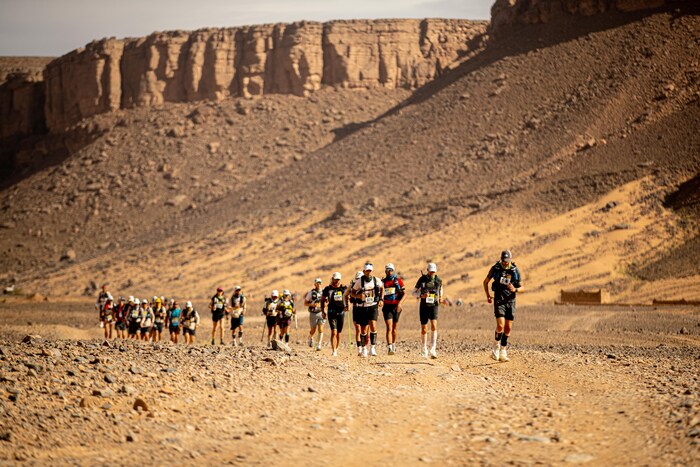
309, 299
369, 289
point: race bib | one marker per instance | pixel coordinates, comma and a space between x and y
430, 299
338, 296
390, 291
219, 306
505, 280
236, 313
369, 300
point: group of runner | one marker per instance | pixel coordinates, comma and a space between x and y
366, 293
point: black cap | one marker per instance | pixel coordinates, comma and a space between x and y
506, 256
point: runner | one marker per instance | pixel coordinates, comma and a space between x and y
108, 316
120, 317
159, 314
429, 290
190, 323
218, 310
285, 314
370, 290
270, 312
333, 296
146, 320
355, 310
100, 303
134, 313
394, 295
238, 307
507, 283
316, 318
173, 321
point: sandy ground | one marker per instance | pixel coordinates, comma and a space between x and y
584, 385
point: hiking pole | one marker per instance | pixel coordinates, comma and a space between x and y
263, 330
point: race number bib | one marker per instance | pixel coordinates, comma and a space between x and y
389, 291
236, 312
219, 306
338, 296
505, 280
369, 300
430, 299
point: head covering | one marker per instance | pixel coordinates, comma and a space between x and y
506, 256
432, 267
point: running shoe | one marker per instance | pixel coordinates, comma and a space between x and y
433, 353
311, 342
335, 353
364, 351
495, 350
504, 355
373, 351
391, 350
424, 353
318, 347
213, 342
359, 351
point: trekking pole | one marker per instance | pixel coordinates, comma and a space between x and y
263, 329
348, 326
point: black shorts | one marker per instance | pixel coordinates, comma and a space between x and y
391, 312
133, 327
120, 326
217, 316
174, 329
336, 321
283, 321
236, 322
145, 331
271, 321
158, 327
365, 314
427, 313
504, 310
191, 332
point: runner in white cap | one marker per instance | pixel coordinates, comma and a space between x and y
312, 300
430, 292
370, 291
334, 298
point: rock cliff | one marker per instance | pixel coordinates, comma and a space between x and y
509, 13
295, 58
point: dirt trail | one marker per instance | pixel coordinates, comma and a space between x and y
577, 393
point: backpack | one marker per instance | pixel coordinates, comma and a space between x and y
363, 279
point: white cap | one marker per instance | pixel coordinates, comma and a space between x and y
238, 287
131, 298
318, 281
155, 297
358, 274
188, 305
109, 296
275, 293
390, 266
286, 292
336, 275
432, 267
137, 301
144, 301
368, 267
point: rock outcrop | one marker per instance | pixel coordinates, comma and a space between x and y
509, 13
250, 61
21, 105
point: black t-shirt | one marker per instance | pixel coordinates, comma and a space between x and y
334, 298
431, 286
501, 278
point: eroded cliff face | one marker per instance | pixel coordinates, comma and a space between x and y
295, 58
508, 13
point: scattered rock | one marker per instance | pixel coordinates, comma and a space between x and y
281, 346
131, 438
89, 402
31, 339
135, 370
140, 404
684, 330
578, 458
103, 392
69, 255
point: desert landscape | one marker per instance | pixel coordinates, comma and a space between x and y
265, 156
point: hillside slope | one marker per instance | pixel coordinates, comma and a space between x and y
521, 146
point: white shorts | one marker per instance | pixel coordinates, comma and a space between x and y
315, 319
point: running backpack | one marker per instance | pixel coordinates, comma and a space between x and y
363, 279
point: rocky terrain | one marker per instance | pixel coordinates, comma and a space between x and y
584, 386
265, 156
